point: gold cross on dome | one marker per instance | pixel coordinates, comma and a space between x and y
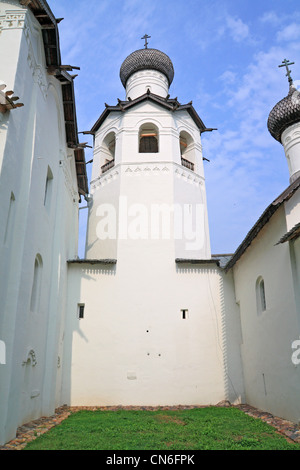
286, 63
146, 42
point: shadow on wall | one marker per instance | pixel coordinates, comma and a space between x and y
231, 341
76, 309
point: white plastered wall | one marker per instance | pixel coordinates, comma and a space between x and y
272, 380
32, 141
133, 347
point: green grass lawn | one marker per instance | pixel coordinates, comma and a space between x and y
209, 428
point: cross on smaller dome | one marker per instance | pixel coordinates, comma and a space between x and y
287, 111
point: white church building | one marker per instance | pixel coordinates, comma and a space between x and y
149, 316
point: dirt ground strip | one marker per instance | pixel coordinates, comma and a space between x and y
30, 431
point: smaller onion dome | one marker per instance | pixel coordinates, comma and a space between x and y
144, 59
285, 113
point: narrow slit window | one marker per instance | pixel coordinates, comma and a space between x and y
36, 284
10, 217
48, 188
260, 296
80, 311
184, 314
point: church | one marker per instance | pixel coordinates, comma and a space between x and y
149, 316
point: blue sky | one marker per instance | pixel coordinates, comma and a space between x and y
226, 56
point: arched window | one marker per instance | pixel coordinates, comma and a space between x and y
148, 139
260, 295
187, 151
36, 284
108, 152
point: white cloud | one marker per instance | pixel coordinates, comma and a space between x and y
237, 28
289, 33
271, 17
216, 26
228, 77
247, 165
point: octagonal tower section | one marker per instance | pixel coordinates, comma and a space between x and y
148, 187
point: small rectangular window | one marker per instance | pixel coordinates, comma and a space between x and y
80, 310
184, 314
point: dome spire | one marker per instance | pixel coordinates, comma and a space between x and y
286, 63
146, 42
287, 111
284, 124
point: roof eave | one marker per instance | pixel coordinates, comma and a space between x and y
164, 102
291, 235
48, 22
262, 221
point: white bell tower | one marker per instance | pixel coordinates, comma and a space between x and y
148, 186
151, 293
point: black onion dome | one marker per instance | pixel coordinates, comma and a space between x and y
285, 113
144, 59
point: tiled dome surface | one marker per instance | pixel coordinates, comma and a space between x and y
285, 113
143, 59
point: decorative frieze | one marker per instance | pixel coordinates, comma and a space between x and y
12, 19
189, 176
134, 169
109, 176
35, 56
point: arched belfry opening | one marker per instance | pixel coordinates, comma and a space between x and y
187, 150
148, 139
108, 150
